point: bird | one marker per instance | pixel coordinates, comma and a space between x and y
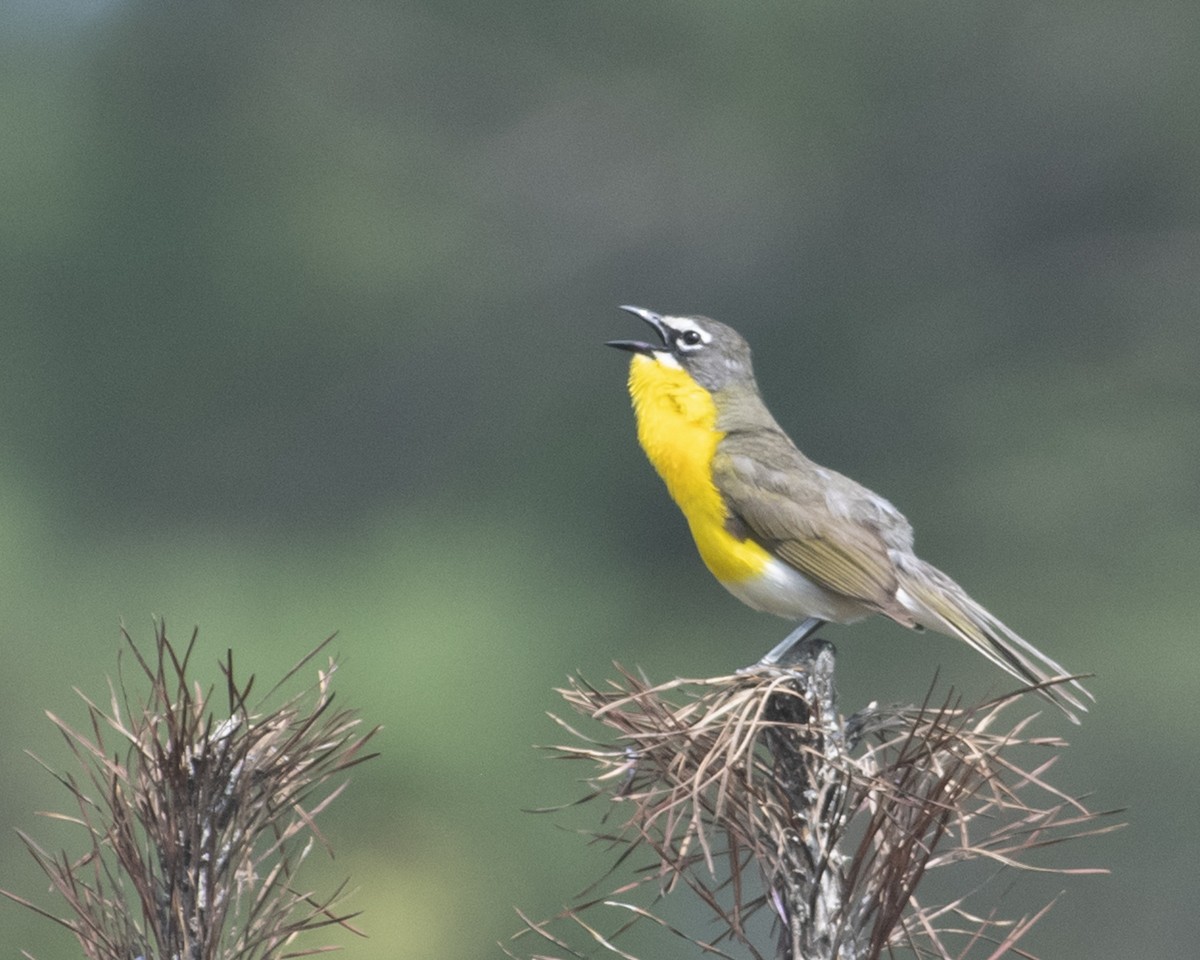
783, 534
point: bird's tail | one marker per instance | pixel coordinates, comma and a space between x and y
942, 605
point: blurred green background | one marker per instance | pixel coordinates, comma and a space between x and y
303, 312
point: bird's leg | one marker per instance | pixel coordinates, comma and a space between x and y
781, 650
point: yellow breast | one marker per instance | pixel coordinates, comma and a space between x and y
676, 420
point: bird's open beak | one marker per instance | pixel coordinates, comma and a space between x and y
639, 346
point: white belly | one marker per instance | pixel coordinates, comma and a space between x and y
786, 592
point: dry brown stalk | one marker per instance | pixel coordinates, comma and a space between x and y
754, 793
197, 818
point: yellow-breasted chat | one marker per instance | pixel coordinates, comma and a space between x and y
781, 533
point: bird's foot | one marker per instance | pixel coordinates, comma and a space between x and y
783, 653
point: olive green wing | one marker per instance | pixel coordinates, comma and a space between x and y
782, 500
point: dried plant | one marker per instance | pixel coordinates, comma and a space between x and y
751, 791
197, 822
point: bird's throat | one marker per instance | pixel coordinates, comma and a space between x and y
676, 420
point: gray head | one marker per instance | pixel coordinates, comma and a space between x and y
714, 354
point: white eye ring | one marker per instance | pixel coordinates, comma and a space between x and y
686, 335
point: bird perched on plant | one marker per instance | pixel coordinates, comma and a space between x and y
780, 532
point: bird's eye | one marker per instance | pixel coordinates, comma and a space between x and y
690, 338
